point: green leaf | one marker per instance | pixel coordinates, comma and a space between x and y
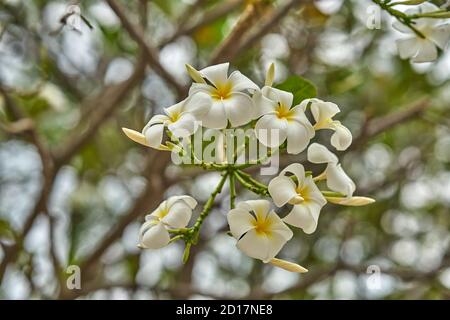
300, 87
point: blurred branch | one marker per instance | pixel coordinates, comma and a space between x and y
381, 124
209, 17
150, 53
267, 25
227, 48
103, 106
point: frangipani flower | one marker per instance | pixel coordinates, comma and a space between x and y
337, 179
260, 232
180, 119
280, 119
174, 212
228, 98
422, 49
303, 194
323, 113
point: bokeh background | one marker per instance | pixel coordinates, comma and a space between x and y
74, 189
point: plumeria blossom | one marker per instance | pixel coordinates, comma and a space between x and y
421, 49
180, 119
174, 212
337, 179
303, 194
229, 100
323, 113
259, 230
281, 122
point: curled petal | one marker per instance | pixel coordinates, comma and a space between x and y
216, 74
191, 202
178, 216
297, 137
154, 135
407, 48
318, 153
341, 138
240, 221
153, 235
198, 103
323, 111
271, 131
263, 105
441, 35
185, 126
297, 169
282, 190
339, 181
239, 82
239, 108
194, 74
304, 216
260, 207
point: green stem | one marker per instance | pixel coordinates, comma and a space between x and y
400, 16
207, 208
232, 190
250, 186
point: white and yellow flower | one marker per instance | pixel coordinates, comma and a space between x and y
323, 113
259, 230
302, 193
337, 179
175, 212
421, 49
180, 119
280, 122
229, 100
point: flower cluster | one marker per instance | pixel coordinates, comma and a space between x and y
423, 29
219, 101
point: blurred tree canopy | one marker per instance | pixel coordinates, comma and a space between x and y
74, 189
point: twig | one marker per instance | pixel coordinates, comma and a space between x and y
150, 53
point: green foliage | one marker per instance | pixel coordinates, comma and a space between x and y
300, 87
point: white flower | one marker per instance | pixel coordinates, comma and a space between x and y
323, 113
174, 212
229, 102
260, 232
280, 122
422, 49
181, 120
337, 179
303, 194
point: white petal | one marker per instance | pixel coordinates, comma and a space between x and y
407, 48
297, 137
271, 131
282, 189
278, 226
300, 116
216, 74
427, 52
191, 202
402, 27
198, 103
240, 221
441, 35
341, 138
277, 95
153, 236
154, 135
260, 207
313, 192
339, 181
178, 216
254, 245
318, 153
201, 87
297, 169
263, 105
304, 216
239, 82
136, 136
323, 111
239, 108
185, 126
216, 117
275, 244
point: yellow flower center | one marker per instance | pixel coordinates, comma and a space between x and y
284, 112
222, 91
303, 192
263, 225
175, 116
